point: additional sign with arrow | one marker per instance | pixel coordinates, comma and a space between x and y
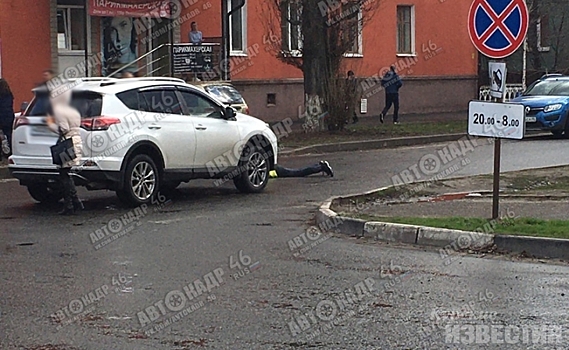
497, 72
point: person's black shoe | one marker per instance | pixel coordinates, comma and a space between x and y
327, 168
67, 211
381, 117
78, 205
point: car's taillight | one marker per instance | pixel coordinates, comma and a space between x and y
19, 121
99, 123
246, 110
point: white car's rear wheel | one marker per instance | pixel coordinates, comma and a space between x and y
45, 194
141, 181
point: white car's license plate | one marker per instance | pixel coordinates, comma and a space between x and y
530, 119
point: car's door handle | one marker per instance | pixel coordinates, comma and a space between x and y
154, 127
201, 127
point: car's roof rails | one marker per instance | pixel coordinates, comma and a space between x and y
73, 80
130, 80
177, 80
545, 76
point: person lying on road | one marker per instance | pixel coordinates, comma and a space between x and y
321, 167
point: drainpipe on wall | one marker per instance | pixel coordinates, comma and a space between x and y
86, 38
226, 49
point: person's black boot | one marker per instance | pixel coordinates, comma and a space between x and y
68, 209
325, 166
78, 205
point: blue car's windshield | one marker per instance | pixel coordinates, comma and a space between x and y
549, 87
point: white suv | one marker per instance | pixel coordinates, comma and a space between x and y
141, 135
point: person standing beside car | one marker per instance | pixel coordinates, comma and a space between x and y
65, 120
6, 110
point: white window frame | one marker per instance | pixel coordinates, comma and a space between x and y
413, 52
243, 12
67, 9
294, 53
538, 30
360, 38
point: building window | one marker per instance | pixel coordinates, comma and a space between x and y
238, 28
406, 29
543, 38
271, 99
70, 27
352, 28
290, 23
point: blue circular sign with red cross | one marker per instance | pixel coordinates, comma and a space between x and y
498, 28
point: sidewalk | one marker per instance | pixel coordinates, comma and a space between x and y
373, 120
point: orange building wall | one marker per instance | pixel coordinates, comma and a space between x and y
442, 23
26, 45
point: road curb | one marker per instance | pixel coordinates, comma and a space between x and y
5, 173
537, 247
372, 144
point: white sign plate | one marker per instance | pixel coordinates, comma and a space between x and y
501, 120
363, 106
497, 72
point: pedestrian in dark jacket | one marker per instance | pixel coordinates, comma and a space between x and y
391, 82
6, 110
352, 91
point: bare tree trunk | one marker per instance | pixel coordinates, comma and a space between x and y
314, 67
558, 35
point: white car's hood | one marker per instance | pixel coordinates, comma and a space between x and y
244, 118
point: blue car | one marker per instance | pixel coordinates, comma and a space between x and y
547, 104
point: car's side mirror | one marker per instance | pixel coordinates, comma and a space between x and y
24, 106
229, 113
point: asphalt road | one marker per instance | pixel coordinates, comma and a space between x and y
211, 238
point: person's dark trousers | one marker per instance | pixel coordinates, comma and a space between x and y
392, 99
7, 130
302, 172
70, 200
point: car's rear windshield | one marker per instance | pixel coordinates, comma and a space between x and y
225, 93
549, 87
88, 103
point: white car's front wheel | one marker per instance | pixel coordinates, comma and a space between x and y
254, 170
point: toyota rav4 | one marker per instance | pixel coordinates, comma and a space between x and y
141, 135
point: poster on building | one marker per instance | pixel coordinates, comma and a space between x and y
119, 43
130, 8
190, 58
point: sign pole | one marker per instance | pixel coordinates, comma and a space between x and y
496, 190
497, 158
